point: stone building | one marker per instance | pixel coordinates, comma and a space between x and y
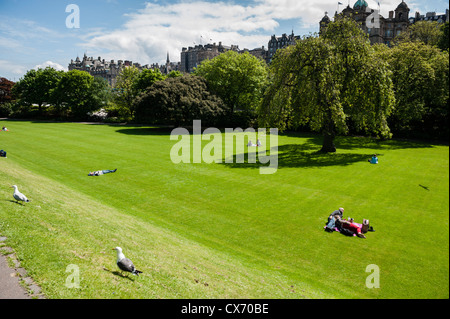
109, 70
260, 53
276, 43
388, 28
430, 16
191, 57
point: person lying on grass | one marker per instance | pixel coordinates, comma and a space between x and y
98, 173
352, 226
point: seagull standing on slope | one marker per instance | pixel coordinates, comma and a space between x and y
18, 196
124, 263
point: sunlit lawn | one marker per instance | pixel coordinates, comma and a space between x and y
222, 230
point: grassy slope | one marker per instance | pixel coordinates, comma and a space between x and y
242, 233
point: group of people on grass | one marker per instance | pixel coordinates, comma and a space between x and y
347, 226
258, 143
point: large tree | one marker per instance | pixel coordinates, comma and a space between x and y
36, 85
79, 93
328, 82
443, 43
125, 89
428, 32
146, 78
178, 101
5, 90
421, 84
238, 79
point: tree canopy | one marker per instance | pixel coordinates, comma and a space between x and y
5, 90
238, 79
328, 82
421, 83
36, 86
428, 32
126, 89
178, 101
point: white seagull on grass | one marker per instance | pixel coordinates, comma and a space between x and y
124, 263
18, 196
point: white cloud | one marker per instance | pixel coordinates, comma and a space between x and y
157, 29
56, 66
9, 67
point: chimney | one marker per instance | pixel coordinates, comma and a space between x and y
391, 14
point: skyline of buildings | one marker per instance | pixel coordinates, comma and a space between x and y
190, 57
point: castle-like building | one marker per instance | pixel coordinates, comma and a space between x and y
109, 70
381, 29
191, 57
277, 43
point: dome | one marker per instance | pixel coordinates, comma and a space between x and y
403, 5
360, 4
325, 19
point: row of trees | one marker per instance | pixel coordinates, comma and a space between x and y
335, 83
74, 92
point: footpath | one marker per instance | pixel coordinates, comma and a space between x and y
14, 283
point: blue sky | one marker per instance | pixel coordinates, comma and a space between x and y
33, 33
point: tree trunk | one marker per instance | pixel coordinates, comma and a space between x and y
328, 143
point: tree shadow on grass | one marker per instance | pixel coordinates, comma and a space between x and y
308, 155
358, 142
300, 155
150, 131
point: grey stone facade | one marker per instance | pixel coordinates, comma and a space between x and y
388, 28
191, 57
276, 43
109, 70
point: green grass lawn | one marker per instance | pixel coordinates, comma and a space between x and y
222, 230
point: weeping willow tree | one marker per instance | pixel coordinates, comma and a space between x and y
329, 82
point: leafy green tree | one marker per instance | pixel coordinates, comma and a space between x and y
178, 101
421, 84
101, 93
427, 32
36, 86
146, 78
79, 93
238, 79
126, 89
328, 82
443, 43
5, 90
174, 74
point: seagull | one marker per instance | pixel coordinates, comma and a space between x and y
18, 196
124, 263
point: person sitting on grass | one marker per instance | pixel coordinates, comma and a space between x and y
374, 159
352, 226
98, 173
333, 218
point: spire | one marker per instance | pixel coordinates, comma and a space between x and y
168, 60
